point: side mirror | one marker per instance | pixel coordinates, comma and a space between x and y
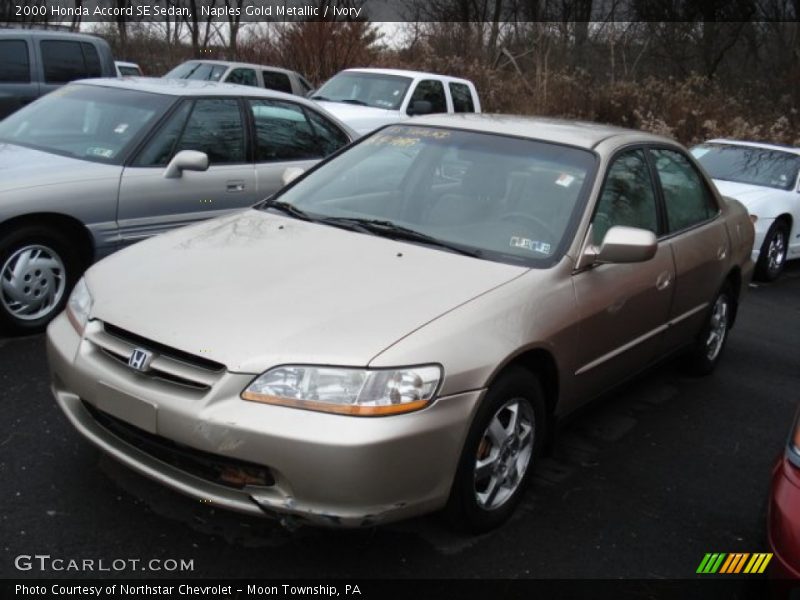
290, 174
627, 245
420, 107
186, 160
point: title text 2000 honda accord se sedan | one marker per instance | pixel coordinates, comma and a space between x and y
397, 330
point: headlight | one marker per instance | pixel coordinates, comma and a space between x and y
362, 392
79, 306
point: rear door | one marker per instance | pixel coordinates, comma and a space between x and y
698, 239
287, 134
18, 87
149, 203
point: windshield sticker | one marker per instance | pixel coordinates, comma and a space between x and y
565, 180
532, 245
391, 140
121, 128
102, 152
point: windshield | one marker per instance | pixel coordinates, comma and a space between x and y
747, 164
197, 70
367, 89
502, 198
85, 121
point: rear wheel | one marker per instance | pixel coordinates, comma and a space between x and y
707, 350
38, 267
772, 257
505, 437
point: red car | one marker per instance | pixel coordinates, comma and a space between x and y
783, 518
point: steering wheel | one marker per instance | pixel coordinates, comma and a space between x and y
544, 227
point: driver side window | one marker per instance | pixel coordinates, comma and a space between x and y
627, 197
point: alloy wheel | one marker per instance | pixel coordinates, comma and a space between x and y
504, 453
718, 327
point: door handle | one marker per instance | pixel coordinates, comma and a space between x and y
664, 281
235, 186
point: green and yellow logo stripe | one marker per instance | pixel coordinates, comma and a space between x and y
734, 563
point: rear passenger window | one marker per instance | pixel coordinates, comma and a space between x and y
243, 77
275, 80
431, 91
627, 198
215, 127
14, 62
63, 61
462, 98
688, 200
283, 132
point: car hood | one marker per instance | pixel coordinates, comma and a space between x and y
756, 198
22, 167
254, 290
363, 119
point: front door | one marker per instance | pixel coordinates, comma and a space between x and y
150, 203
623, 307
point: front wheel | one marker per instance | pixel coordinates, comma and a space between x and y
38, 267
504, 439
772, 257
707, 350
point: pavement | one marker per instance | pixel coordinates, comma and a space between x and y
641, 484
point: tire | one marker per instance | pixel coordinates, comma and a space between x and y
480, 502
38, 268
707, 350
772, 257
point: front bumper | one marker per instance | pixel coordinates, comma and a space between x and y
783, 527
327, 469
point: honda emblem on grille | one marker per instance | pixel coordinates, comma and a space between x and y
140, 360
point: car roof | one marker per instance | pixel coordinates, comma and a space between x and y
405, 73
779, 147
124, 63
582, 134
50, 33
189, 87
229, 63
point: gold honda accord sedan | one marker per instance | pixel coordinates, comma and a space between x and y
400, 328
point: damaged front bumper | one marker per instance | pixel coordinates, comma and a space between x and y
254, 458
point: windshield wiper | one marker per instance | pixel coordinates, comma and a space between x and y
398, 232
354, 101
323, 98
287, 209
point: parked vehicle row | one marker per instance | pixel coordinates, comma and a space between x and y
433, 295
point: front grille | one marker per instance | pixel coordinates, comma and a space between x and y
170, 365
174, 353
221, 470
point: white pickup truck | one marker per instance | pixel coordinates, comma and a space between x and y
366, 99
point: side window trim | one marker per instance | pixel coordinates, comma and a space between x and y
617, 153
667, 234
138, 149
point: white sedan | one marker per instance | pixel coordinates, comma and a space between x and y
763, 177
